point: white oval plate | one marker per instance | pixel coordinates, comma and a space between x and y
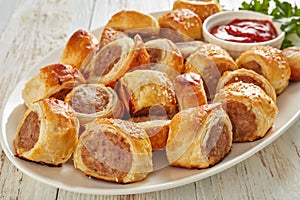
163, 177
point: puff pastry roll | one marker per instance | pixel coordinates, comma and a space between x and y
189, 90
199, 137
147, 92
90, 101
293, 57
269, 62
52, 81
187, 48
158, 131
109, 34
210, 61
165, 57
78, 47
202, 8
251, 111
180, 25
114, 150
111, 62
145, 118
247, 76
48, 133
134, 22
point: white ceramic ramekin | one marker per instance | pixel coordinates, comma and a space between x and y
236, 48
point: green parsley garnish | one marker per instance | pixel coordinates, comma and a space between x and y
257, 6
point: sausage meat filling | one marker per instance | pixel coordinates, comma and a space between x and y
107, 154
253, 65
155, 54
90, 100
29, 132
218, 143
106, 59
243, 121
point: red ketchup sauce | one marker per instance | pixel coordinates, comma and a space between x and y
245, 31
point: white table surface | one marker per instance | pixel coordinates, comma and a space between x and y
30, 29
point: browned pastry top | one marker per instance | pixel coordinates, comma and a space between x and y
57, 74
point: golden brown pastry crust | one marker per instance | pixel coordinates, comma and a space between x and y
52, 81
165, 57
210, 61
91, 101
79, 46
146, 118
134, 22
251, 111
132, 142
269, 62
157, 131
247, 76
147, 92
202, 8
199, 137
189, 90
115, 59
109, 34
57, 133
293, 57
185, 22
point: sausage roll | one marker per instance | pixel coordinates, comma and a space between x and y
145, 118
269, 62
147, 92
293, 57
165, 57
247, 76
210, 61
187, 48
48, 133
78, 47
189, 90
134, 22
90, 101
180, 25
158, 131
114, 150
202, 8
111, 62
108, 35
250, 110
52, 81
199, 137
